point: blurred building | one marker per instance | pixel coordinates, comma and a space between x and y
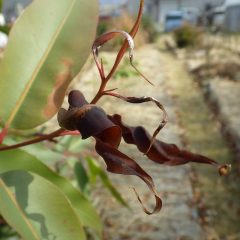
226, 17
158, 9
111, 9
223, 14
12, 8
232, 16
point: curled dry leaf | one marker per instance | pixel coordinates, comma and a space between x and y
128, 44
161, 152
119, 163
91, 120
138, 100
101, 40
104, 38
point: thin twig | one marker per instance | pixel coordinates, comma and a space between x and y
104, 80
136, 69
3, 134
50, 136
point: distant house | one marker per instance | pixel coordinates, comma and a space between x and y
112, 9
12, 9
227, 16
232, 16
158, 9
219, 17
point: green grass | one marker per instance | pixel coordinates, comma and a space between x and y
125, 71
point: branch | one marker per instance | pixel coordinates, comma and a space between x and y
127, 44
50, 136
3, 134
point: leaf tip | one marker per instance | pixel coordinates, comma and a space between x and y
224, 170
158, 206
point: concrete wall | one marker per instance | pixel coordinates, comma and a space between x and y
232, 19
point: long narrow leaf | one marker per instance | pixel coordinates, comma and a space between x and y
47, 47
1, 4
20, 160
36, 208
96, 170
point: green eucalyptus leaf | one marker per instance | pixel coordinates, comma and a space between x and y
20, 160
74, 144
36, 208
96, 170
81, 176
108, 184
44, 154
41, 150
47, 47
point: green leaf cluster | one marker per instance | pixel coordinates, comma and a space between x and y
18, 161
87, 177
48, 45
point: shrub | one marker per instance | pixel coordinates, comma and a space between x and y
103, 27
187, 36
149, 28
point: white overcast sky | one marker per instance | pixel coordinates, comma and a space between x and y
111, 1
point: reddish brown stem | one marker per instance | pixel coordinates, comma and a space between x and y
100, 92
3, 134
123, 49
50, 136
67, 133
119, 57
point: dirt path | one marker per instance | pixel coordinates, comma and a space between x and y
217, 197
178, 218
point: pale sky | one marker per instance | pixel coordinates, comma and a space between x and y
111, 1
